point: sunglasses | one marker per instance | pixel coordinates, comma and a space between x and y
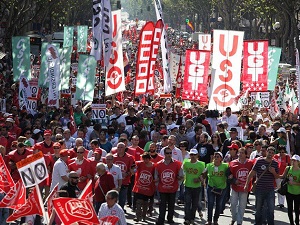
257, 144
168, 153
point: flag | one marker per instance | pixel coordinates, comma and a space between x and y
65, 63
87, 192
190, 26
109, 220
73, 127
273, 107
293, 101
255, 66
286, 95
6, 181
96, 44
15, 198
68, 37
273, 61
50, 198
24, 92
179, 81
31, 207
204, 42
72, 210
82, 32
21, 57
107, 31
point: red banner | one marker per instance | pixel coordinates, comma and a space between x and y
6, 181
72, 210
49, 200
255, 66
109, 220
87, 192
31, 207
179, 81
196, 75
143, 58
15, 198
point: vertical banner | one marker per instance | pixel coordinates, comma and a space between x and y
143, 58
53, 74
164, 50
179, 81
115, 81
298, 75
82, 32
174, 64
205, 42
21, 57
107, 31
273, 62
255, 66
24, 92
86, 78
96, 44
68, 37
226, 69
196, 75
43, 77
65, 63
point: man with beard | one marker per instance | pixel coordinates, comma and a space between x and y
155, 157
46, 146
205, 150
71, 185
176, 153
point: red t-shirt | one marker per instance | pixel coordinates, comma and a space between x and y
167, 174
44, 148
135, 152
82, 170
240, 172
15, 157
106, 181
125, 164
144, 179
157, 158
282, 162
73, 153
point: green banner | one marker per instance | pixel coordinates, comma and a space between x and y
21, 57
43, 77
68, 37
274, 57
86, 78
81, 38
65, 64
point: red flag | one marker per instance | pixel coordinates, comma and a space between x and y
31, 207
120, 96
255, 66
6, 182
196, 75
15, 198
87, 192
179, 81
111, 220
49, 200
71, 210
73, 127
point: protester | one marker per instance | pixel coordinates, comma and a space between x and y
60, 170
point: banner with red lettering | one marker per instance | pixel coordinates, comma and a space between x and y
115, 79
143, 58
255, 66
205, 42
15, 198
196, 75
179, 81
226, 69
72, 210
31, 207
6, 181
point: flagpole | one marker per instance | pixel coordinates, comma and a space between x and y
45, 215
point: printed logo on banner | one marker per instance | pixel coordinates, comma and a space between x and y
99, 111
32, 106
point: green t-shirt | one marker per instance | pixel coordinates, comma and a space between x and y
192, 171
217, 175
294, 189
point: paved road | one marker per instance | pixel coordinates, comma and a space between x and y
281, 217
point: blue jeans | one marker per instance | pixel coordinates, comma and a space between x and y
123, 196
238, 203
199, 207
3, 212
181, 192
213, 198
264, 198
191, 196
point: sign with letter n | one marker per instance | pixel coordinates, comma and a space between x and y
33, 170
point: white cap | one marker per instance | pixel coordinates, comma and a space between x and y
10, 120
193, 151
172, 126
35, 131
281, 129
296, 157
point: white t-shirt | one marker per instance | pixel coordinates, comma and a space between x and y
254, 154
116, 210
176, 154
115, 170
60, 169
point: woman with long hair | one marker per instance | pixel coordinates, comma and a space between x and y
216, 142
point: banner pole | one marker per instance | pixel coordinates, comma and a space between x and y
45, 215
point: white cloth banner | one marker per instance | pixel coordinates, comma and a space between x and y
115, 81
174, 64
53, 74
24, 92
97, 29
298, 75
226, 69
205, 42
107, 31
164, 50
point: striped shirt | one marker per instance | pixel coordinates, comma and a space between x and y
266, 182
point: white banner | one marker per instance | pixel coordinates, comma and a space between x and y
98, 111
226, 69
115, 81
32, 105
107, 31
164, 50
205, 42
96, 44
53, 74
34, 87
24, 92
174, 64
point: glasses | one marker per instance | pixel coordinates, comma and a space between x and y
75, 178
168, 153
80, 152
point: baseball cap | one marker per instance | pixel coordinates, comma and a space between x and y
219, 153
281, 129
233, 129
233, 146
249, 145
27, 143
296, 157
163, 132
188, 116
172, 126
64, 152
47, 132
193, 151
11, 120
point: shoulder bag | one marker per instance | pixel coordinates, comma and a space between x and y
253, 189
284, 184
